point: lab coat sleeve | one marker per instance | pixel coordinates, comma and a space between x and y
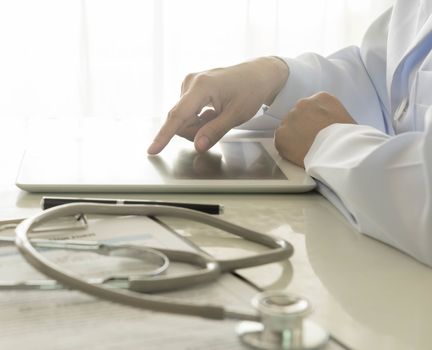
343, 74
356, 76
384, 182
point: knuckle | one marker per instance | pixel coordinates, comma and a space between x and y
174, 117
188, 78
324, 96
187, 82
202, 79
302, 103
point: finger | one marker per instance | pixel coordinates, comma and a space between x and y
186, 109
214, 130
189, 131
203, 118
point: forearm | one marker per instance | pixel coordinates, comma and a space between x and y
382, 181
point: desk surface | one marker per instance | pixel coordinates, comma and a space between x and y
367, 294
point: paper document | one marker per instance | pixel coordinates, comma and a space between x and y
64, 319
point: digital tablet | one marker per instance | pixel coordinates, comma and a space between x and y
120, 164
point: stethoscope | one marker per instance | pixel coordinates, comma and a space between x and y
280, 321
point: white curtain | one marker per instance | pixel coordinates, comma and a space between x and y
127, 58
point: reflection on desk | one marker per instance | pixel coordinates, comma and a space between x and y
382, 289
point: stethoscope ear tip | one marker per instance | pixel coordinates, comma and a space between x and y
283, 324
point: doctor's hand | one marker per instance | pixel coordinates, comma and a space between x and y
298, 129
233, 94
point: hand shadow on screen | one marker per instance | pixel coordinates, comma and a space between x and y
234, 161
190, 164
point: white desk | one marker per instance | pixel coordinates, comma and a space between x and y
367, 294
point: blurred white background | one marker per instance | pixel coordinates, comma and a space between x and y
127, 58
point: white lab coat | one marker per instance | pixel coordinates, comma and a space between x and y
378, 173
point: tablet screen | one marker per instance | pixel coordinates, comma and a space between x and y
110, 157
230, 160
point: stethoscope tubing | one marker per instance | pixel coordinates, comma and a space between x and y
280, 248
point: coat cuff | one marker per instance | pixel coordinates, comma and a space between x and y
300, 84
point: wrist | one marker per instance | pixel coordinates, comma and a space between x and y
276, 73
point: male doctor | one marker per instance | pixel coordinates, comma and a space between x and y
359, 121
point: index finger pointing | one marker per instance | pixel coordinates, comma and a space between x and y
187, 108
165, 134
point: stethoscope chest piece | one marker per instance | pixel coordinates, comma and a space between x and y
283, 325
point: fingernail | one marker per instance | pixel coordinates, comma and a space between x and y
203, 143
